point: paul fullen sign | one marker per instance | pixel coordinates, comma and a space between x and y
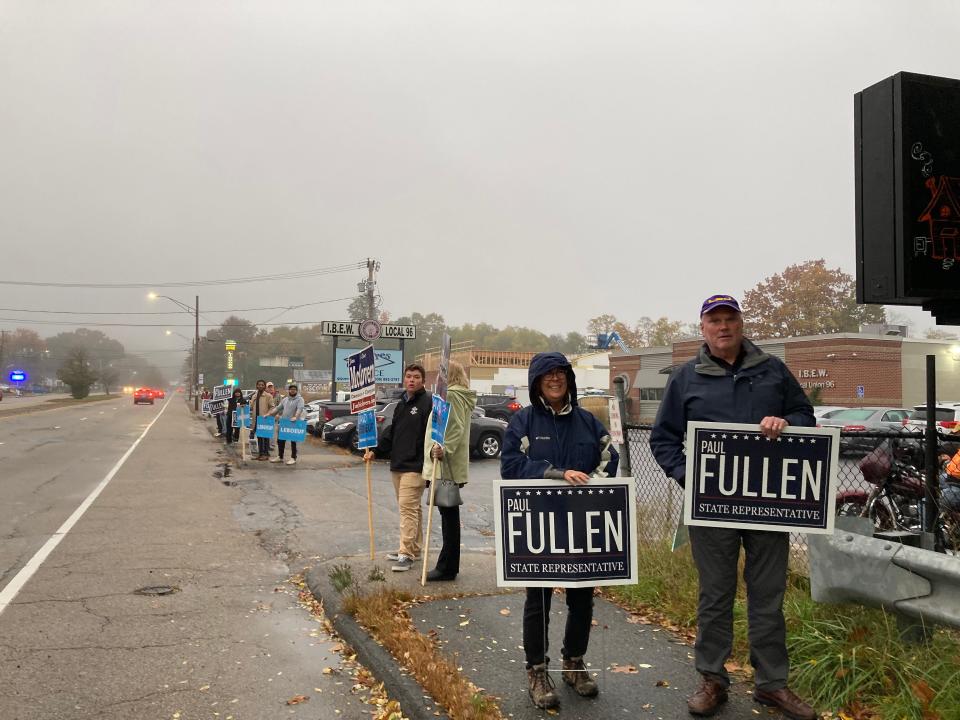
738, 478
552, 534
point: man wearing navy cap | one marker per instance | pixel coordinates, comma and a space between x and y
732, 380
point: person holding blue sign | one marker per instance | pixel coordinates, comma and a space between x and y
453, 464
260, 406
732, 380
290, 408
404, 441
553, 438
235, 402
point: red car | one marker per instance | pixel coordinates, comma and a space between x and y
142, 395
158, 393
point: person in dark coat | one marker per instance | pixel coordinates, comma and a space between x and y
732, 380
236, 401
554, 438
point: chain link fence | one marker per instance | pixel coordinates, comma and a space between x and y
660, 499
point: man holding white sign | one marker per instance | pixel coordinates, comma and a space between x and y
732, 381
555, 439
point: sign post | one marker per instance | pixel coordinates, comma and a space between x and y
361, 369
440, 413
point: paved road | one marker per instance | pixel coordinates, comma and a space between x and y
77, 641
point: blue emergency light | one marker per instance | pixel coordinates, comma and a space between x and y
17, 376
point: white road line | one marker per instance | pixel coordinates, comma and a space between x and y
26, 572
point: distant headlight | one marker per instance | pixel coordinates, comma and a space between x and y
344, 426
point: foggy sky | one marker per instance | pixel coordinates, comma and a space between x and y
534, 163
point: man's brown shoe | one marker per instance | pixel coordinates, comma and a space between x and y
787, 702
710, 695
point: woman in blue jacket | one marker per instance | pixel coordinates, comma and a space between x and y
555, 439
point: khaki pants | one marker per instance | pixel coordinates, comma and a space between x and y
409, 489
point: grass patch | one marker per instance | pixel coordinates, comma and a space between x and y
846, 658
384, 614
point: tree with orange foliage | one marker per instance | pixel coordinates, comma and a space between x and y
806, 299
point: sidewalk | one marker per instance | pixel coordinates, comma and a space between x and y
642, 669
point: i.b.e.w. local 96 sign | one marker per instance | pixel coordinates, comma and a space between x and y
738, 478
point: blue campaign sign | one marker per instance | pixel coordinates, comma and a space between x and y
361, 371
439, 415
367, 429
737, 478
266, 424
295, 430
552, 534
244, 411
389, 364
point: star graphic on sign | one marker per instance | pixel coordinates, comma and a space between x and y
528, 492
519, 493
549, 492
734, 437
802, 440
713, 436
779, 439
789, 439
813, 440
756, 437
723, 437
579, 492
569, 492
589, 492
767, 439
538, 492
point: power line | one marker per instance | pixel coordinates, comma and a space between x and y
172, 312
316, 272
28, 321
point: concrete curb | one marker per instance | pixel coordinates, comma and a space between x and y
399, 686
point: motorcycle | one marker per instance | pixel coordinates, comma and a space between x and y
895, 502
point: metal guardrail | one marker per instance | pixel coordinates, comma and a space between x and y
661, 499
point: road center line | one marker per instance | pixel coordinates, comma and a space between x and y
26, 572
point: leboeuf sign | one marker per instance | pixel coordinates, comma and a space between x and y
553, 534
737, 478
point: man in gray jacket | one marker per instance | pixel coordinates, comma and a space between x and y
732, 380
290, 408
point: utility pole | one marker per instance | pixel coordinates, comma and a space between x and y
196, 354
3, 342
372, 266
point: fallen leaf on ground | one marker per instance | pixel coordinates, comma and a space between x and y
297, 699
662, 683
645, 665
505, 611
327, 671
627, 669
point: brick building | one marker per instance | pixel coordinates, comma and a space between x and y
849, 369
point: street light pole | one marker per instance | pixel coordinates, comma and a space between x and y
195, 389
196, 353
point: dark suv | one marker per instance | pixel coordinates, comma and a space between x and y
500, 407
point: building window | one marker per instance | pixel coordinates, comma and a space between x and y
651, 393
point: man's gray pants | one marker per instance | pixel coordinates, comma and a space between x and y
716, 552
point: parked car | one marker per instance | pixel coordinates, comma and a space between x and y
946, 415
142, 395
821, 412
864, 420
501, 407
342, 430
486, 434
